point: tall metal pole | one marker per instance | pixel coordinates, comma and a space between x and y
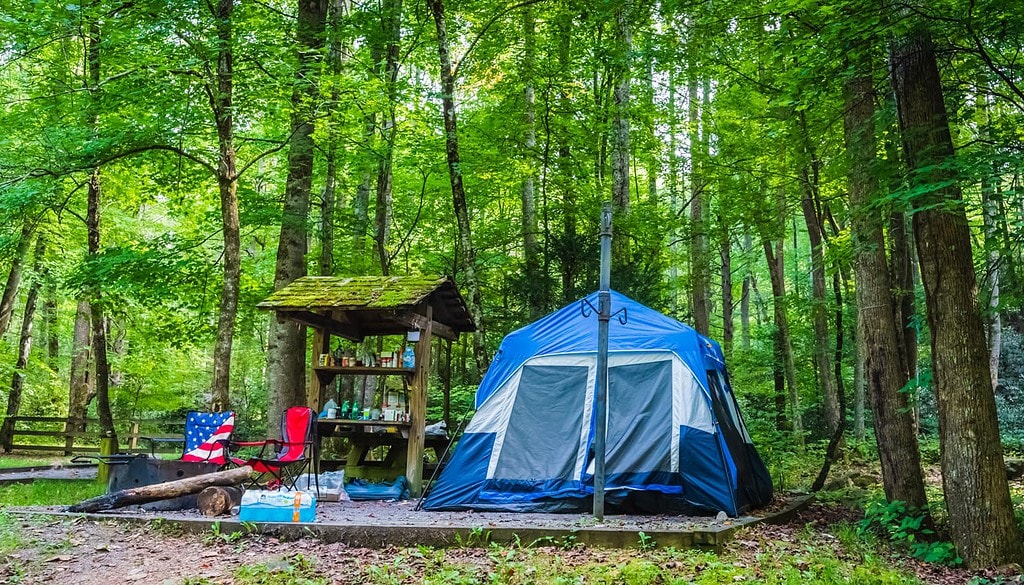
604, 312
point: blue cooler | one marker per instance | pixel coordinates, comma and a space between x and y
277, 506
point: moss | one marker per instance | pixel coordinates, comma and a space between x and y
365, 292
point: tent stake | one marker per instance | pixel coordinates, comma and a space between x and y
604, 305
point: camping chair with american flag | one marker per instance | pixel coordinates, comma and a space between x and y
206, 433
284, 460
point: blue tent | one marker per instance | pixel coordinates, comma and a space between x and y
675, 439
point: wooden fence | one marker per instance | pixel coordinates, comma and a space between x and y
79, 436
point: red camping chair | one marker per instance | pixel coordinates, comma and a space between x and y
287, 459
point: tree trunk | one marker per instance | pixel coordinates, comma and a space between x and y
877, 326
981, 520
532, 276
221, 102
80, 389
92, 221
458, 191
50, 318
620, 120
700, 288
819, 307
725, 252
675, 172
14, 278
361, 206
326, 263
391, 25
748, 247
286, 343
783, 345
99, 325
24, 344
859, 384
569, 260
990, 215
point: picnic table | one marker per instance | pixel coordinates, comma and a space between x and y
366, 435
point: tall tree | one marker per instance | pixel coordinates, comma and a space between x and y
620, 114
451, 136
391, 30
532, 276
981, 519
219, 91
878, 330
569, 257
24, 343
81, 389
10, 292
286, 343
783, 341
819, 307
328, 202
93, 57
700, 280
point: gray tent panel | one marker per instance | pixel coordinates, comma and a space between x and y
543, 432
639, 412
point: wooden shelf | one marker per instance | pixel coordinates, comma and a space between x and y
363, 371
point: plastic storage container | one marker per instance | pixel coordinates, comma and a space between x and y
332, 486
279, 506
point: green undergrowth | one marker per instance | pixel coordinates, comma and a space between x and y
810, 557
49, 492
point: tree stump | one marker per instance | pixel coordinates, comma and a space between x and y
218, 500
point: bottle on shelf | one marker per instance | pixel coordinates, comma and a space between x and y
346, 409
356, 413
409, 358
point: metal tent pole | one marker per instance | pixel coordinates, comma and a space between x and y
604, 305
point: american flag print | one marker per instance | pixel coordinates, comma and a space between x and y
205, 433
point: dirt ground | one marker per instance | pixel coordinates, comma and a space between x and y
81, 552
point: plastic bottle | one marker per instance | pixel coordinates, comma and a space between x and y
355, 410
409, 358
346, 409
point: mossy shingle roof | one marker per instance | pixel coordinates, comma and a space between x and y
373, 293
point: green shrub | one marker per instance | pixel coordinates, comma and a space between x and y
909, 527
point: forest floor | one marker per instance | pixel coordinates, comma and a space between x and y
820, 545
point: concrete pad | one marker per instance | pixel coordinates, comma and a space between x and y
381, 524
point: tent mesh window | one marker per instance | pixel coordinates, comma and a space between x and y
639, 412
543, 432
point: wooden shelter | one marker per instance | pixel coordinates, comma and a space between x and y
361, 306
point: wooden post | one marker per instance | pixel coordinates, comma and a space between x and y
69, 440
321, 344
7, 434
418, 409
108, 446
133, 438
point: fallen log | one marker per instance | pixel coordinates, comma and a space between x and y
162, 491
216, 499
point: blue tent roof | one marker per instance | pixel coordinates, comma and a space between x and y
567, 330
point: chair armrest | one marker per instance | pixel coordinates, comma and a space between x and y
246, 443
